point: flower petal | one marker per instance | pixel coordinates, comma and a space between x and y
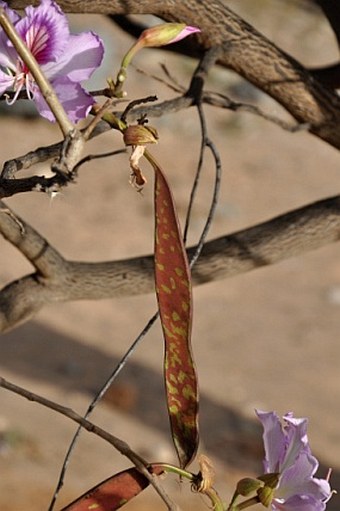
13, 16
6, 82
273, 439
76, 102
8, 54
298, 479
45, 31
300, 503
188, 30
83, 56
296, 439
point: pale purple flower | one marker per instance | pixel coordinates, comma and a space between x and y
287, 452
66, 59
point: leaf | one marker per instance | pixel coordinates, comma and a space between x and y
173, 288
114, 492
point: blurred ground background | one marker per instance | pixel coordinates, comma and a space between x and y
267, 339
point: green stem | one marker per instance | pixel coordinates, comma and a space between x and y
217, 504
114, 122
176, 470
121, 75
245, 504
45, 87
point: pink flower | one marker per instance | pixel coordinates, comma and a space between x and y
287, 453
66, 59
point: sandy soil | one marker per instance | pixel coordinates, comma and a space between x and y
268, 339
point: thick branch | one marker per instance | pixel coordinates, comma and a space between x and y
244, 50
56, 279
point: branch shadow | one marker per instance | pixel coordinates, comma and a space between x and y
47, 356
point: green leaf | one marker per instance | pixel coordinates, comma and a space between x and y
114, 492
173, 288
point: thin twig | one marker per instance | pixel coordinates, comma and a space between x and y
42, 154
98, 115
100, 394
218, 172
200, 74
134, 103
120, 445
172, 84
91, 157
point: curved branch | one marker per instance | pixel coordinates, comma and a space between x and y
244, 50
57, 279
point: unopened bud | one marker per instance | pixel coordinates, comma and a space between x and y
160, 35
265, 495
248, 485
167, 33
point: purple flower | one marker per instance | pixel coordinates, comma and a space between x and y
65, 59
287, 452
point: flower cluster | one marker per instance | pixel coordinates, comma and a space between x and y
66, 59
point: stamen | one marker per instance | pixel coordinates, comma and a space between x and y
11, 102
28, 87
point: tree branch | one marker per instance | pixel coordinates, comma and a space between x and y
57, 279
244, 50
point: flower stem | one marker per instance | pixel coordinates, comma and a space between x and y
45, 87
176, 470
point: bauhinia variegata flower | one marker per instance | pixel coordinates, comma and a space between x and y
288, 455
66, 59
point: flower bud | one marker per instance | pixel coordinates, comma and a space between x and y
160, 35
248, 485
265, 495
167, 33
